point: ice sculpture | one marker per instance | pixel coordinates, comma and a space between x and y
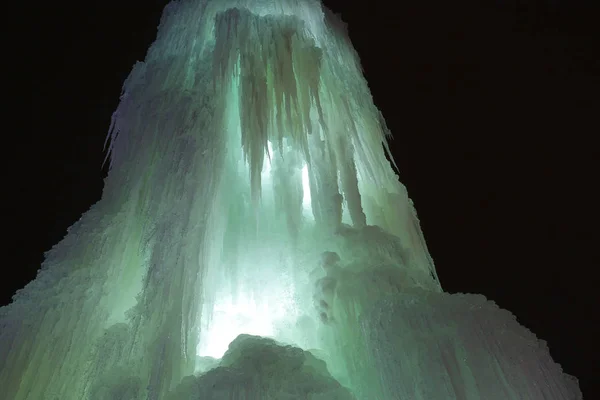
250, 194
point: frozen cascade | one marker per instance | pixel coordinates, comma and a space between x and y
254, 242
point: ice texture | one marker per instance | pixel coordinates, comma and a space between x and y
255, 368
389, 339
249, 193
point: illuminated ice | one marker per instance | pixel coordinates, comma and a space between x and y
249, 193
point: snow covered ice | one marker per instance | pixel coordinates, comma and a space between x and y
249, 194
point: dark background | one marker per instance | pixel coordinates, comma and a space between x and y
494, 108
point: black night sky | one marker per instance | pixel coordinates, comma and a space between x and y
494, 109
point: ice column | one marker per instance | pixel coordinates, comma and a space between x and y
249, 194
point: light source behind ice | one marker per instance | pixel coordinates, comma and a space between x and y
305, 188
247, 313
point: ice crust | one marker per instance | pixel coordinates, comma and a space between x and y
256, 368
465, 345
249, 193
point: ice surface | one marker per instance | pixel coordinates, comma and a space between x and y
465, 345
249, 193
256, 368
390, 339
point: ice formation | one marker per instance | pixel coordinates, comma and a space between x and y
249, 194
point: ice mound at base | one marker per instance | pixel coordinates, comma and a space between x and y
464, 346
257, 368
392, 340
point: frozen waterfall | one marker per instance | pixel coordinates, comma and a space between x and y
254, 242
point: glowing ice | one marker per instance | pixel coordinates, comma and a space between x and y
249, 193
